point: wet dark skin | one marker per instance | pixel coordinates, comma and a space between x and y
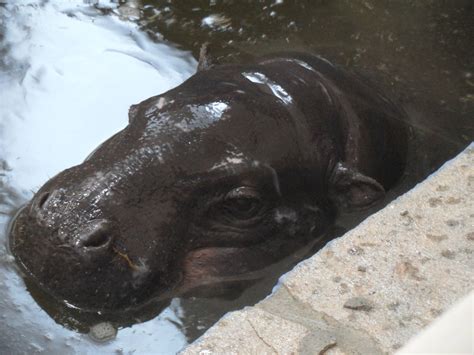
232, 171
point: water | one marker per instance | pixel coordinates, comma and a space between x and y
71, 76
68, 76
69, 70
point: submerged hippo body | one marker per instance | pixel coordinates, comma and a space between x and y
231, 171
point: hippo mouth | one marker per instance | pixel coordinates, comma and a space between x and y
57, 268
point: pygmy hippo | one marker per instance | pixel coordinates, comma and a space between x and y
212, 181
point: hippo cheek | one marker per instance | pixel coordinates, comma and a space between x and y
217, 270
215, 266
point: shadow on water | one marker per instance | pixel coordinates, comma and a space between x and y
69, 71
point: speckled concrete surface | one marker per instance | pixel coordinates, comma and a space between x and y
371, 290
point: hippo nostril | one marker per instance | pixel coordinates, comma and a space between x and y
98, 234
95, 240
42, 200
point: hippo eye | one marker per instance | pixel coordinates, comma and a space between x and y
242, 202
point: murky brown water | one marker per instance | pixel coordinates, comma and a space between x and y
419, 51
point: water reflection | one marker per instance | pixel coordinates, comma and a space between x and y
68, 81
68, 75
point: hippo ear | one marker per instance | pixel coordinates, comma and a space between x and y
352, 190
132, 113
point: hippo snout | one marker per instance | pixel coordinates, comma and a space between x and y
91, 236
88, 255
77, 231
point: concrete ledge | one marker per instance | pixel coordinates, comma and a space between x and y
371, 290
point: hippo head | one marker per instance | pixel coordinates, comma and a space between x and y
194, 191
